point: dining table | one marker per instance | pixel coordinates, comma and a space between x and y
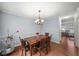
34, 40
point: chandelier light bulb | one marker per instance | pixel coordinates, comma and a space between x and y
42, 20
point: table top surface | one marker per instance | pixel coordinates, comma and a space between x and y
34, 39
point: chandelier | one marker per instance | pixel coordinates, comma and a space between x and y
39, 20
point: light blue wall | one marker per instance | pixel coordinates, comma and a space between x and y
10, 23
0, 24
51, 25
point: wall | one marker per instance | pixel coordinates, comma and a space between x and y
51, 25
9, 24
77, 32
77, 28
0, 24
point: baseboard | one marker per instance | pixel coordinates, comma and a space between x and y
56, 42
17, 45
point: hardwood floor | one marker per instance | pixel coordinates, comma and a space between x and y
71, 47
62, 49
56, 50
68, 45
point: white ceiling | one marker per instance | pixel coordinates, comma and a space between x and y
30, 9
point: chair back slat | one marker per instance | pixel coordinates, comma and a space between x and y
46, 34
42, 43
22, 43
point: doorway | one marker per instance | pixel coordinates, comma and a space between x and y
68, 35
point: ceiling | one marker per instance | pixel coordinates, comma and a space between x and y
30, 9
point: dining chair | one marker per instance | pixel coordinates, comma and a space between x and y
48, 40
41, 46
37, 34
46, 34
48, 43
25, 46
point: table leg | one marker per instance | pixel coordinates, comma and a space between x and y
30, 50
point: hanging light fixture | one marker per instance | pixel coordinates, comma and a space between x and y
39, 20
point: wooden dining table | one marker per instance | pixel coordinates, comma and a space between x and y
34, 40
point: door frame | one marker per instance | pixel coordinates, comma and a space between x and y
75, 28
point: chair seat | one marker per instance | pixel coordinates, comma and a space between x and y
37, 45
27, 47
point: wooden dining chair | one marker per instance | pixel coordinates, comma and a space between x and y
41, 46
48, 43
46, 34
37, 33
24, 45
